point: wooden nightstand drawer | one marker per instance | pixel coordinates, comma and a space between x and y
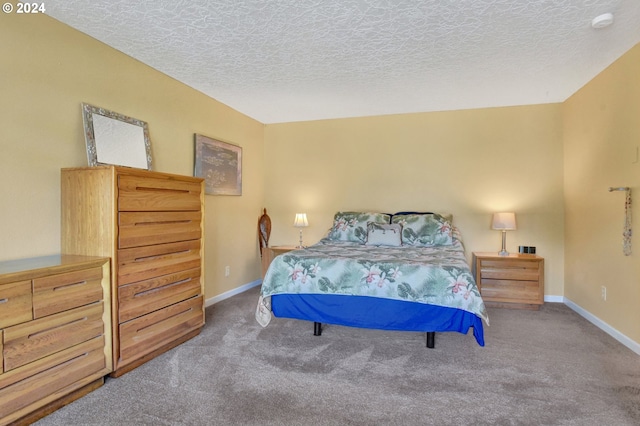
509, 269
516, 280
510, 290
15, 303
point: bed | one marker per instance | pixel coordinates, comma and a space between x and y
405, 271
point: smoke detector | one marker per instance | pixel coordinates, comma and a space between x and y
602, 21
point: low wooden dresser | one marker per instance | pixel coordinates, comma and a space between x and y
55, 333
151, 225
512, 281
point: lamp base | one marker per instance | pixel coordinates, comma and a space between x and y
504, 251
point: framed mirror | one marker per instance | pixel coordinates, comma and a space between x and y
115, 139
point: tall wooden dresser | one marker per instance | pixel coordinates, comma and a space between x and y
55, 333
151, 225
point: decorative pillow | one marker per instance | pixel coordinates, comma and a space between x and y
352, 226
384, 234
428, 229
447, 216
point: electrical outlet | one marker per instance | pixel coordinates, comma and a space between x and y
227, 271
603, 293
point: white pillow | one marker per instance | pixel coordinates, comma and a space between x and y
384, 234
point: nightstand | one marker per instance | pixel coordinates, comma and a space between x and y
513, 281
268, 253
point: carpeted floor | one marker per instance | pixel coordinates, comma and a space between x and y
550, 367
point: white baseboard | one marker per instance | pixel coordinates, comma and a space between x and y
230, 293
634, 346
554, 299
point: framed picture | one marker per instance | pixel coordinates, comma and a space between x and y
116, 139
220, 164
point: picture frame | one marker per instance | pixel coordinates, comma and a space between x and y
220, 164
116, 139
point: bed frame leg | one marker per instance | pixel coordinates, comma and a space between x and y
317, 329
431, 339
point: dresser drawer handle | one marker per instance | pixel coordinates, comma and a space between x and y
160, 256
48, 330
165, 319
155, 189
163, 222
161, 288
5, 300
69, 285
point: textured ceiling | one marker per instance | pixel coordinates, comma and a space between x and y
293, 60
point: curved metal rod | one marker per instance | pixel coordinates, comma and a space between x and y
620, 188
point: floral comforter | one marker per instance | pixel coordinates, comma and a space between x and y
433, 275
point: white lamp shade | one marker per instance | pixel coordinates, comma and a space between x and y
504, 221
301, 220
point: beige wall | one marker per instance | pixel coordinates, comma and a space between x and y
469, 163
602, 138
48, 69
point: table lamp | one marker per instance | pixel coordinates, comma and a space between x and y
300, 222
504, 222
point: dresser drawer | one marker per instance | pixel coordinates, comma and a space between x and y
15, 303
510, 269
146, 296
143, 263
39, 338
147, 333
511, 291
136, 193
58, 293
510, 274
41, 381
147, 228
